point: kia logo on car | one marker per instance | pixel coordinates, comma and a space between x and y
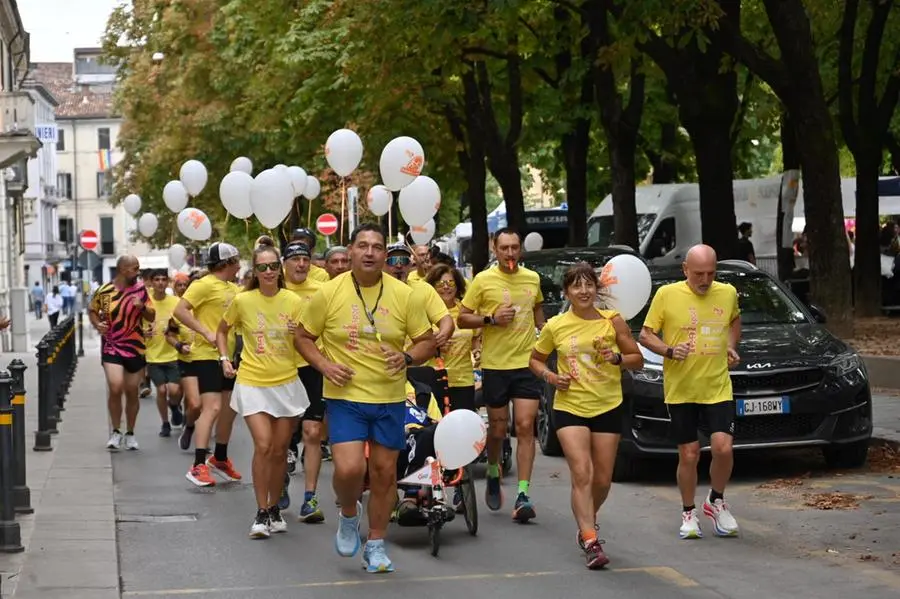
759, 365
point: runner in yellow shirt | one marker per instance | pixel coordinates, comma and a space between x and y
700, 324
337, 261
422, 255
363, 319
267, 392
592, 347
309, 238
182, 338
162, 357
506, 301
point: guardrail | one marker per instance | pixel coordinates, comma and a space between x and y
57, 361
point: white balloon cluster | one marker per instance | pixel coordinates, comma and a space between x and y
402, 161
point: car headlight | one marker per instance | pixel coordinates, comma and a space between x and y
844, 364
650, 373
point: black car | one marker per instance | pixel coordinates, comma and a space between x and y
797, 385
551, 265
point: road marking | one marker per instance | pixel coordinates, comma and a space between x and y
665, 574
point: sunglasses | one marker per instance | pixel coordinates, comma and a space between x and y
273, 266
445, 284
398, 260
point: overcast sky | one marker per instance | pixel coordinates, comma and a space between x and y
59, 26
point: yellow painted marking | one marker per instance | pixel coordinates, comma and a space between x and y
5, 419
664, 573
18, 400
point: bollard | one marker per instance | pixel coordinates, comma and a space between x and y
21, 492
53, 383
10, 534
80, 334
42, 435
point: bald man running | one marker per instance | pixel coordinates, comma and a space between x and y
118, 311
700, 324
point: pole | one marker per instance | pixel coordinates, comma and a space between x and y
21, 492
343, 205
42, 435
10, 533
81, 333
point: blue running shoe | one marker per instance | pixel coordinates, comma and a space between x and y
346, 541
310, 512
375, 559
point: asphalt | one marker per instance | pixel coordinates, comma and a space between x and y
130, 525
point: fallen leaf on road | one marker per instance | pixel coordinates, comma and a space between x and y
781, 483
868, 557
554, 475
833, 501
884, 457
876, 336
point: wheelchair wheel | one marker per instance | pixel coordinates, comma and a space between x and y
434, 535
470, 501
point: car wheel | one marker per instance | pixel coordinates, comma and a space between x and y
846, 455
547, 438
627, 468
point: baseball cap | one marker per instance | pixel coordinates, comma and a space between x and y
220, 252
296, 248
303, 233
398, 247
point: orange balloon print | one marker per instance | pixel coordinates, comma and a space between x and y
197, 218
414, 166
606, 276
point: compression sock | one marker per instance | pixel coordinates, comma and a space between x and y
199, 456
493, 470
688, 508
713, 495
523, 486
588, 536
221, 452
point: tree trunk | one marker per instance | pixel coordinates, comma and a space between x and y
790, 161
664, 171
576, 145
472, 160
867, 254
621, 161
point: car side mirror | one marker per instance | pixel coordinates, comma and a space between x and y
818, 313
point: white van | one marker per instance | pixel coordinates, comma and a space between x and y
669, 219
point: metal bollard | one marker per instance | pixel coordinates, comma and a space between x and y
10, 533
42, 435
21, 492
55, 380
80, 334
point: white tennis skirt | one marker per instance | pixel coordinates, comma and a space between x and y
283, 401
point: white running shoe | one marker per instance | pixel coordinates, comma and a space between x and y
690, 526
276, 521
131, 443
724, 524
115, 441
260, 527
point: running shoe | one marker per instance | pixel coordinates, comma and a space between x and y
131, 443
580, 540
200, 476
115, 441
493, 494
724, 524
326, 452
291, 461
177, 415
224, 468
276, 520
375, 559
346, 541
166, 430
523, 511
594, 555
184, 441
284, 501
690, 526
145, 390
310, 512
260, 527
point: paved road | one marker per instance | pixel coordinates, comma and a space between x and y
784, 552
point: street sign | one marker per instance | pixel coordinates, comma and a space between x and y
88, 240
327, 224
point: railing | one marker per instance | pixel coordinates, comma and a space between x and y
57, 360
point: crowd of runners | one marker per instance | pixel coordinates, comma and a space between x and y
319, 361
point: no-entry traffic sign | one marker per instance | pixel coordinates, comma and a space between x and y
88, 240
327, 224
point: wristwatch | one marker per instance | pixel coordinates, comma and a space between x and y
224, 358
670, 353
488, 320
407, 358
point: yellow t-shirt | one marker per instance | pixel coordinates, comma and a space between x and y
186, 336
268, 358
427, 297
458, 355
160, 351
704, 321
337, 315
507, 347
317, 273
414, 277
596, 386
210, 297
304, 291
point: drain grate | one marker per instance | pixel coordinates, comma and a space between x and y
149, 519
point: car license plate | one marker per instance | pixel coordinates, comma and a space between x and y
764, 405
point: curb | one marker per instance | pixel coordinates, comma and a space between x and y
884, 371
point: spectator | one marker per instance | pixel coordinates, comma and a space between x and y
37, 300
745, 246
53, 306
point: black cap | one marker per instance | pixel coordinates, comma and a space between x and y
304, 233
296, 248
220, 252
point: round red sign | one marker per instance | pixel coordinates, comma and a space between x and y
88, 240
327, 224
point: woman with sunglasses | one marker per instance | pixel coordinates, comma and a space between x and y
267, 392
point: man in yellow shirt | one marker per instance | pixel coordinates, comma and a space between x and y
309, 238
363, 320
162, 357
506, 301
201, 309
700, 324
423, 263
337, 261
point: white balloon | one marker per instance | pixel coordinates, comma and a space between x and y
298, 180
380, 199
234, 191
420, 201
194, 176
313, 188
272, 197
343, 151
626, 280
175, 196
280, 167
177, 256
459, 438
243, 164
533, 242
194, 224
423, 234
401, 162
132, 204
147, 224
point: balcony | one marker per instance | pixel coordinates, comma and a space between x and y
17, 140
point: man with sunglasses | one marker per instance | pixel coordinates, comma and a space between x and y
307, 236
363, 320
201, 309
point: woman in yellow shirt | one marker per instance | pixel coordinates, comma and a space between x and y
592, 348
267, 392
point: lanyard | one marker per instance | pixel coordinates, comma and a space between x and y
370, 316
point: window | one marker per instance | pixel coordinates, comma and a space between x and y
60, 140
663, 240
67, 231
104, 184
103, 138
64, 185
107, 242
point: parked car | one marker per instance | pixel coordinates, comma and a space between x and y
551, 265
797, 385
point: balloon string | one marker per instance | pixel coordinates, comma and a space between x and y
247, 232
390, 215
309, 214
225, 228
343, 204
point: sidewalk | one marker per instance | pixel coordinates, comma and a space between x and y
886, 417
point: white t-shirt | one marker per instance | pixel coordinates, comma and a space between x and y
54, 303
